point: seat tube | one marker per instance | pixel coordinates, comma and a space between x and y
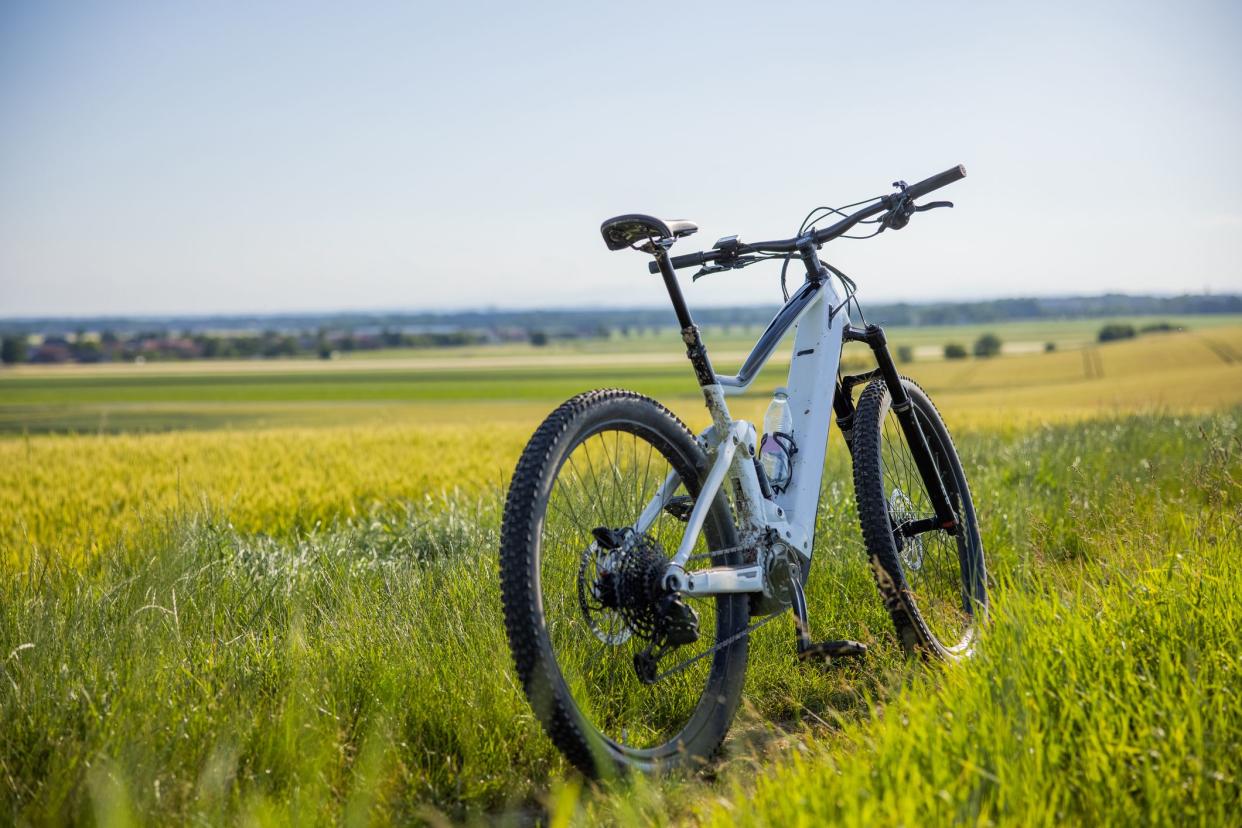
689, 331
695, 350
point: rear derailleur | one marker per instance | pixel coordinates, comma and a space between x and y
632, 585
679, 626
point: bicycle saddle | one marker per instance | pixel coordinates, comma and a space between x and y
628, 230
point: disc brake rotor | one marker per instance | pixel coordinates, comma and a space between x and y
901, 510
596, 573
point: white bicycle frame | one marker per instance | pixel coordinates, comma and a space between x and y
818, 311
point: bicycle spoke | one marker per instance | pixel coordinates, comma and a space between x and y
608, 480
932, 561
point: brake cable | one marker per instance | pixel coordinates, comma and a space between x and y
809, 223
895, 218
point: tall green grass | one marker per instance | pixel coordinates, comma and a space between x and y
1107, 690
1112, 700
358, 672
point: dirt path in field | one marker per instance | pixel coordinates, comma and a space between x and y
1223, 350
1091, 365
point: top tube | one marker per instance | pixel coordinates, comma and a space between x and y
785, 319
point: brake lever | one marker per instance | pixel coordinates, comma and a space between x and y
707, 271
903, 207
735, 263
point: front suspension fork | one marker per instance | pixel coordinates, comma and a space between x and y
903, 408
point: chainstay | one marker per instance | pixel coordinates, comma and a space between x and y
711, 556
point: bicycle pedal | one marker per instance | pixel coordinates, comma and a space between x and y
832, 649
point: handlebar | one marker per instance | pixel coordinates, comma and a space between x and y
937, 181
883, 204
688, 260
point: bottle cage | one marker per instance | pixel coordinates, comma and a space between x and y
786, 445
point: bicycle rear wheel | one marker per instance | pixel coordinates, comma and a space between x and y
582, 589
934, 584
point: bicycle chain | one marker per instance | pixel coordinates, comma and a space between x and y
706, 556
719, 646
737, 635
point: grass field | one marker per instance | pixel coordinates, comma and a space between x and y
267, 594
1180, 371
1022, 335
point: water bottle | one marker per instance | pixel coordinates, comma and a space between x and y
775, 451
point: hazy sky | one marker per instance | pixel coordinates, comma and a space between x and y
172, 157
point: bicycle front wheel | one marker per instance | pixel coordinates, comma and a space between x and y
934, 584
582, 585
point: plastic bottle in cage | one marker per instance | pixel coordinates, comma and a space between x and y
776, 450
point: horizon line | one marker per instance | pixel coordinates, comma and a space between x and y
497, 309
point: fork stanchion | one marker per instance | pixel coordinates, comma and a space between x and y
903, 408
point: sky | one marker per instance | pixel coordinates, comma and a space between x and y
176, 157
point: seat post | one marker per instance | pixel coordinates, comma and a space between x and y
695, 351
673, 287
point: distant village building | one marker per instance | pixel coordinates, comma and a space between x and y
51, 352
176, 347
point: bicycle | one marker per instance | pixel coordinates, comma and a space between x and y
636, 558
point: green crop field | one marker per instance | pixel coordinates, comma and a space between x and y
266, 593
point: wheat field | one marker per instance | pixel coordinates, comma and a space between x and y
275, 602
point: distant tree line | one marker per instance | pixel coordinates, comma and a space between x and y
989, 344
273, 336
1073, 307
162, 345
155, 345
1120, 330
582, 321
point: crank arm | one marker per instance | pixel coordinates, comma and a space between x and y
809, 650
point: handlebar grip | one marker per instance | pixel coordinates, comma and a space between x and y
688, 260
936, 182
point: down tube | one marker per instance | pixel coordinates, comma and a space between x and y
812, 381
